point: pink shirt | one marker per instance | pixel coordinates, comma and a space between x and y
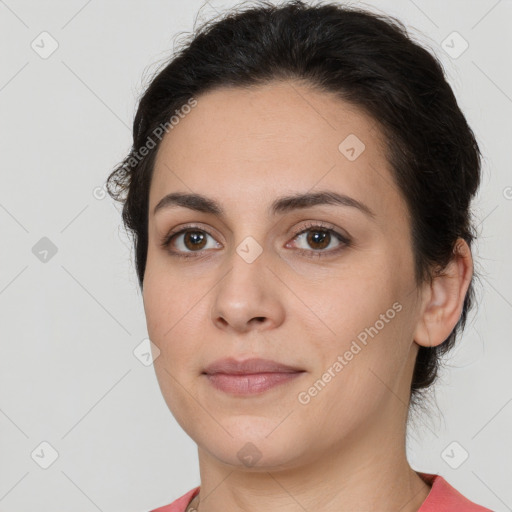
441, 498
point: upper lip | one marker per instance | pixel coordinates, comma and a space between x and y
256, 365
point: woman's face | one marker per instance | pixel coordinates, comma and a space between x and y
249, 285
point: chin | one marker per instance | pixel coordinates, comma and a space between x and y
253, 449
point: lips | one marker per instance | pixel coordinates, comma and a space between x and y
231, 366
250, 377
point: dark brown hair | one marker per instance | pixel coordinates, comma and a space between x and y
368, 60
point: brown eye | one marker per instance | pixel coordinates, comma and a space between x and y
318, 239
187, 242
194, 240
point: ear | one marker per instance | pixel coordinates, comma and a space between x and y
443, 300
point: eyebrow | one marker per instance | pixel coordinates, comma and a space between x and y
203, 204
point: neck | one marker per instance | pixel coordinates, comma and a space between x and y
368, 471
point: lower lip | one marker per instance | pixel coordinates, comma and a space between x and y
250, 383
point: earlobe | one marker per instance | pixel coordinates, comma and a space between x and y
444, 298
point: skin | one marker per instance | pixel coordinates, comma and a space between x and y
345, 449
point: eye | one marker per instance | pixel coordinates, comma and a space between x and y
190, 239
319, 237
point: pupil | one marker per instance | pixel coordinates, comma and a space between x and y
323, 235
195, 236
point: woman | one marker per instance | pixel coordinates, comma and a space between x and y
299, 193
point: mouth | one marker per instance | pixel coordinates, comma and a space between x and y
250, 383
252, 376
232, 366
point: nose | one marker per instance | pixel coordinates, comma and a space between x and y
248, 296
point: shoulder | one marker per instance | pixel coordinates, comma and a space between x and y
180, 504
445, 498
442, 498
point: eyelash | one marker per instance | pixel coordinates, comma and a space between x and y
318, 226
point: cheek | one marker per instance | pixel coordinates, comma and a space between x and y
161, 309
360, 366
174, 317
163, 297
362, 315
348, 301
156, 308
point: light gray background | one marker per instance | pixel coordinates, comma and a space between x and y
69, 325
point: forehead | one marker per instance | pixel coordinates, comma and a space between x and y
252, 144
